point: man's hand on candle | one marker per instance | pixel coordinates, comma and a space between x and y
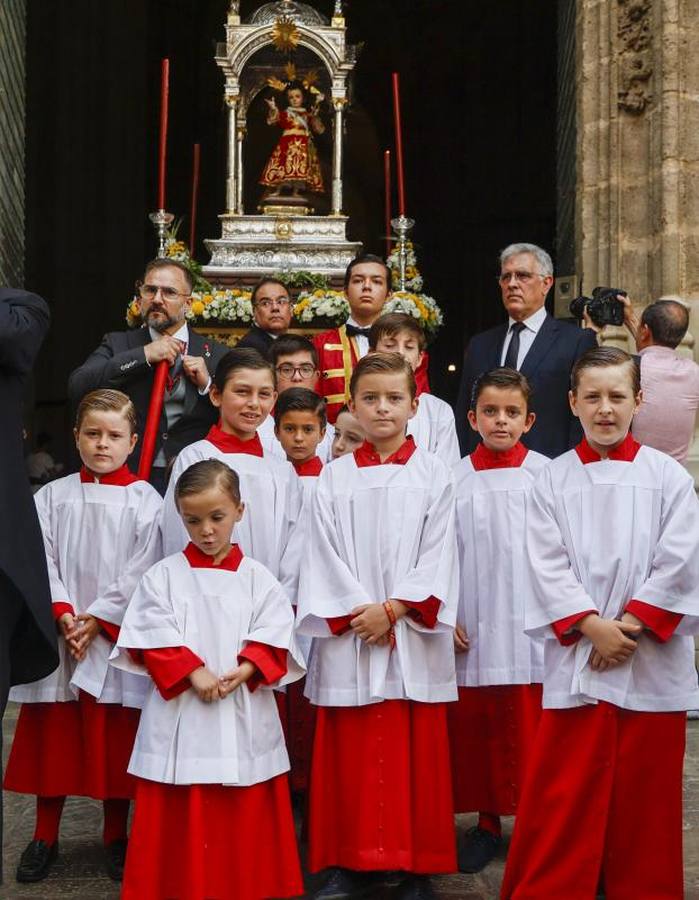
165, 348
195, 369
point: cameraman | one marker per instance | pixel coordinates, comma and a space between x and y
670, 382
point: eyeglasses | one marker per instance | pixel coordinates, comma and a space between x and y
305, 370
148, 292
267, 303
522, 277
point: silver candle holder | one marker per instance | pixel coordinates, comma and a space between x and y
402, 226
162, 221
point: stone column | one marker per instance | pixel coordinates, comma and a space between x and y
339, 105
12, 90
239, 156
231, 189
637, 199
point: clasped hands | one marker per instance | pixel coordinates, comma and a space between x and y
209, 687
614, 640
168, 348
78, 632
372, 624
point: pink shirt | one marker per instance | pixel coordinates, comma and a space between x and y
670, 400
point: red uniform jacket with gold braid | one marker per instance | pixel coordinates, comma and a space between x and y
337, 357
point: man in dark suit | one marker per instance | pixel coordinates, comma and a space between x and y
541, 347
27, 630
126, 360
271, 310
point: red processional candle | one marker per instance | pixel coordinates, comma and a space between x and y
162, 149
387, 194
195, 197
399, 144
155, 408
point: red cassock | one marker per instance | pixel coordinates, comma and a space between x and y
491, 733
381, 788
595, 772
295, 157
78, 749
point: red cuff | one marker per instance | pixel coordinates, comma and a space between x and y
270, 663
170, 668
60, 609
424, 612
339, 624
111, 631
563, 628
660, 623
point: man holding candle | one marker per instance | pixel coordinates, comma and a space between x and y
126, 360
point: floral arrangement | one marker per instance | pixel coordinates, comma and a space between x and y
413, 278
420, 306
323, 303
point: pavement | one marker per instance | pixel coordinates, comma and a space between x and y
78, 871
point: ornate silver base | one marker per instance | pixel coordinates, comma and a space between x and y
264, 244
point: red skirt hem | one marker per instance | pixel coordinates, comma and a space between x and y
380, 794
491, 734
210, 841
77, 749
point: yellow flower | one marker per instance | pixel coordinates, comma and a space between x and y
206, 299
197, 307
301, 305
319, 293
135, 309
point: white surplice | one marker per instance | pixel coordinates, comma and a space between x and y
599, 535
380, 532
434, 428
270, 490
495, 588
99, 540
214, 613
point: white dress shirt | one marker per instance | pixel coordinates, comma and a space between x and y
362, 340
526, 335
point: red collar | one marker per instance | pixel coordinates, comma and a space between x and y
485, 458
625, 452
310, 467
366, 455
229, 443
121, 477
200, 560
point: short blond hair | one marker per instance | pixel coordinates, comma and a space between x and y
383, 364
107, 400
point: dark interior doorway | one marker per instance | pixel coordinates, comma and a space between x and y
479, 107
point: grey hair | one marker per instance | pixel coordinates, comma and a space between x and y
541, 256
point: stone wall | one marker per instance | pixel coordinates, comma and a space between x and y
637, 199
12, 91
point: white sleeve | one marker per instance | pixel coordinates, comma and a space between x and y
673, 582
146, 550
151, 621
556, 591
174, 534
436, 570
447, 444
327, 587
44, 507
273, 622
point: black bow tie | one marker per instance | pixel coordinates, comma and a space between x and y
355, 330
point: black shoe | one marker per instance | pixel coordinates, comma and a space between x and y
477, 850
417, 887
344, 883
392, 879
114, 859
36, 861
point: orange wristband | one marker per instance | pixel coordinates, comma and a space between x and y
390, 612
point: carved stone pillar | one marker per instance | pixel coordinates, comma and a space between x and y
339, 105
239, 157
637, 199
231, 180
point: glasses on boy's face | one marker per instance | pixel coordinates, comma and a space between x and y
268, 302
148, 292
286, 370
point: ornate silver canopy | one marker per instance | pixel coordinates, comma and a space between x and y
300, 13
